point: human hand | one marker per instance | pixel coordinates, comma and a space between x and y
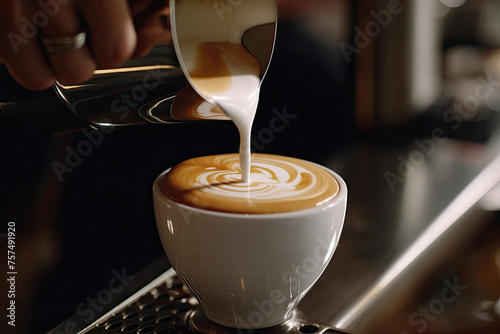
116, 30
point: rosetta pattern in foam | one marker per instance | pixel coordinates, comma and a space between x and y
278, 184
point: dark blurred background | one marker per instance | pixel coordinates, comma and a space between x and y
346, 75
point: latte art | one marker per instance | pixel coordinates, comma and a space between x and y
278, 184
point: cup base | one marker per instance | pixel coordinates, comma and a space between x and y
199, 323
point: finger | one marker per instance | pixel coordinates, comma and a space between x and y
152, 28
19, 46
71, 66
151, 20
111, 27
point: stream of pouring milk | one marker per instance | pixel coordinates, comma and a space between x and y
230, 75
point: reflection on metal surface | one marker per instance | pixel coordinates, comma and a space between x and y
113, 97
449, 216
158, 110
491, 201
385, 256
113, 71
130, 95
189, 106
413, 204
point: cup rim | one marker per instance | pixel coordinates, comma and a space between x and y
341, 196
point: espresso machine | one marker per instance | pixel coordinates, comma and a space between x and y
381, 93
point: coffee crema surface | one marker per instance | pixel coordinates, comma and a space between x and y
278, 184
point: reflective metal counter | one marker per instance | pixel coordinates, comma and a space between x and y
411, 210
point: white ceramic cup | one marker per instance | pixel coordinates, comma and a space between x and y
249, 270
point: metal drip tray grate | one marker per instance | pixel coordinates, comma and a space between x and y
169, 308
161, 310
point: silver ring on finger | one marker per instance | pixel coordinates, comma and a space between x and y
61, 44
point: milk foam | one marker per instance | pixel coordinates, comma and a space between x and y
279, 184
